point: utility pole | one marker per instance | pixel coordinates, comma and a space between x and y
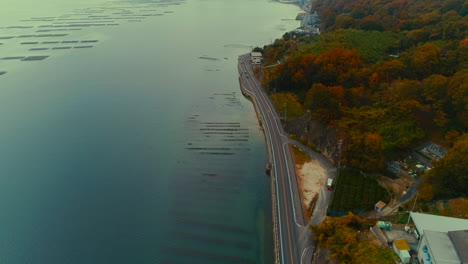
412, 210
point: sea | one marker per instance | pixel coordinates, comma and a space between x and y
124, 137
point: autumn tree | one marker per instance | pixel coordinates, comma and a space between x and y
426, 192
341, 236
385, 90
458, 93
335, 64
449, 175
325, 101
425, 59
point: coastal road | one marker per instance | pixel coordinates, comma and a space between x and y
292, 236
325, 195
321, 206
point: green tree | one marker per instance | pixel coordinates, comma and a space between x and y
449, 175
434, 88
458, 93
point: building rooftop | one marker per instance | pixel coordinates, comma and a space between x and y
441, 247
460, 242
256, 54
401, 244
438, 223
380, 204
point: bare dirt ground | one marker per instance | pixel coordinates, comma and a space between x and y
311, 177
396, 187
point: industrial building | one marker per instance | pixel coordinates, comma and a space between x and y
443, 247
438, 223
442, 240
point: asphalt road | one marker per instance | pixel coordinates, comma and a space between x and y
294, 238
321, 206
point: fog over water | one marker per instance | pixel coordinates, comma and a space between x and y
124, 137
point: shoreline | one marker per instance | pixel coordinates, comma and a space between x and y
249, 96
320, 201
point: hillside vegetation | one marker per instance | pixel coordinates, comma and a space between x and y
387, 75
344, 238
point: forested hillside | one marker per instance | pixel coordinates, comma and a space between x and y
386, 75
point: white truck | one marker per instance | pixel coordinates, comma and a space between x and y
329, 184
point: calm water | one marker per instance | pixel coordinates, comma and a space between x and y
130, 142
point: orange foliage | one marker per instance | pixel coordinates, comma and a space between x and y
373, 141
426, 58
373, 80
335, 63
464, 43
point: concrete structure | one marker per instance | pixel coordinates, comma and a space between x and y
460, 242
397, 232
439, 247
256, 58
443, 240
423, 222
402, 248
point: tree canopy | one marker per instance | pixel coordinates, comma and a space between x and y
341, 236
449, 176
387, 74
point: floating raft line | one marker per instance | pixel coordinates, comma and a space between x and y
34, 58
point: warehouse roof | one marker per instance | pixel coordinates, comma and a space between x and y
438, 223
441, 247
460, 242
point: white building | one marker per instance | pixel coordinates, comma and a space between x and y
256, 58
423, 222
442, 240
443, 247
402, 248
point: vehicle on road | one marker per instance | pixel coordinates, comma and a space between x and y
330, 184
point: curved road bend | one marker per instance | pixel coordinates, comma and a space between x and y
294, 239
